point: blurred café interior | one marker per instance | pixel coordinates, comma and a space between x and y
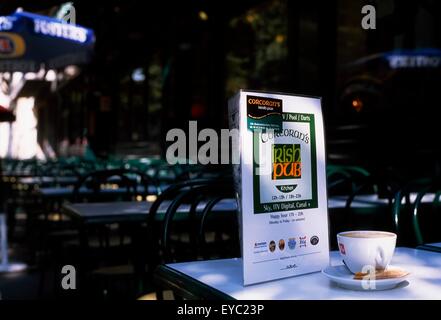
91, 128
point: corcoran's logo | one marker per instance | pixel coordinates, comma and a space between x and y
266, 102
260, 107
264, 113
11, 45
287, 162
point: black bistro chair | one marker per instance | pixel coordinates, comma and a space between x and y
426, 218
108, 186
189, 228
113, 185
368, 206
105, 251
163, 209
406, 210
417, 210
216, 232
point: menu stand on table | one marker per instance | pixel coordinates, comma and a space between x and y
5, 266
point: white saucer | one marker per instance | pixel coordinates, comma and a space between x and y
345, 279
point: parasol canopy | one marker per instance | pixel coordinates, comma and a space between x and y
29, 42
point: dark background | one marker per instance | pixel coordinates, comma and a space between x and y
196, 54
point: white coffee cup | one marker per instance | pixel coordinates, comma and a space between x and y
364, 250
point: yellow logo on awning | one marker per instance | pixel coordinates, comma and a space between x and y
12, 45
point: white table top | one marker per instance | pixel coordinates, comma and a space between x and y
424, 281
134, 209
124, 208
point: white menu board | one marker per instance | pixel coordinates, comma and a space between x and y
281, 184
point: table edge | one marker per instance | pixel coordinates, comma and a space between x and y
170, 278
427, 247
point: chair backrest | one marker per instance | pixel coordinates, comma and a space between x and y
343, 180
58, 171
190, 172
340, 183
368, 206
200, 201
426, 215
190, 198
27, 167
169, 194
224, 227
165, 174
112, 184
188, 194
403, 210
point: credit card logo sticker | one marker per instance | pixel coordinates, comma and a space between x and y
281, 244
272, 246
314, 240
292, 243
